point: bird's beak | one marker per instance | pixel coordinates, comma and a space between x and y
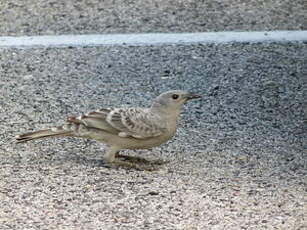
192, 96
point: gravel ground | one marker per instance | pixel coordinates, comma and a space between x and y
238, 160
39, 17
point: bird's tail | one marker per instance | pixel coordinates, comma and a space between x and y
52, 132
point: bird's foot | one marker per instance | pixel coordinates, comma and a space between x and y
140, 160
130, 162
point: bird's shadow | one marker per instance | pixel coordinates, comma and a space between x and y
127, 162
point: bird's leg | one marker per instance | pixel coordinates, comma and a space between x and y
110, 155
112, 159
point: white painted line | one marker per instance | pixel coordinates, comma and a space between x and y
151, 39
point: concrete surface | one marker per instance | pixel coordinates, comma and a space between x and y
48, 17
238, 160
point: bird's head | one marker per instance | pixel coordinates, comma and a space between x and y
172, 100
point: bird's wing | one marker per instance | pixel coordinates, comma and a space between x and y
126, 122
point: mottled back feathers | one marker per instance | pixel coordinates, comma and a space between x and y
125, 122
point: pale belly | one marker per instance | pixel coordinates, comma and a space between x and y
130, 142
133, 143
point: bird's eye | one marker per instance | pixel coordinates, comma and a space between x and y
175, 96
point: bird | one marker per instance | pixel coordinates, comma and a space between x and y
123, 128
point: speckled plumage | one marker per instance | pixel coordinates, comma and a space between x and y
124, 128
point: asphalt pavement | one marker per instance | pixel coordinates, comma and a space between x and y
47, 17
239, 153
